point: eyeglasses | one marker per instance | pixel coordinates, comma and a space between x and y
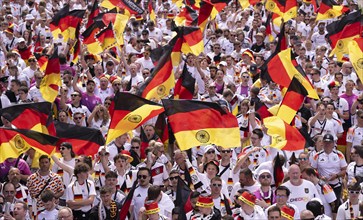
77, 118
280, 196
216, 185
211, 152
173, 178
135, 147
142, 176
354, 192
265, 176
226, 151
73, 95
303, 159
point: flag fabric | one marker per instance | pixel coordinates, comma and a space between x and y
51, 81
89, 37
85, 141
14, 142
94, 12
204, 14
33, 116
184, 87
183, 197
283, 135
207, 123
342, 31
106, 37
130, 112
129, 6
162, 79
287, 9
152, 15
67, 24
356, 57
186, 17
278, 172
268, 32
282, 70
127, 202
247, 3
42, 61
192, 40
330, 9
161, 129
292, 101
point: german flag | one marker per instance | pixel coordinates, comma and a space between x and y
183, 196
26, 53
152, 15
356, 57
42, 62
194, 4
341, 32
207, 123
162, 79
292, 101
106, 37
94, 12
58, 20
52, 79
32, 116
267, 24
129, 6
186, 17
78, 197
247, 3
89, 37
130, 112
282, 70
14, 142
84, 140
204, 14
287, 9
330, 9
162, 130
283, 135
124, 212
192, 40
184, 87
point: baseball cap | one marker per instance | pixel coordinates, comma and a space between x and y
328, 138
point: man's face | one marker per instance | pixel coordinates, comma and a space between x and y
111, 182
275, 215
149, 131
19, 211
14, 176
91, 87
106, 198
49, 205
9, 192
294, 173
77, 119
242, 179
281, 197
143, 178
103, 84
216, 187
265, 179
14, 87
255, 140
44, 164
173, 179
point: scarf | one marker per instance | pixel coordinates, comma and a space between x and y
102, 214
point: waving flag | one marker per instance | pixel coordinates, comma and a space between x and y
330, 9
52, 79
130, 112
207, 123
184, 87
129, 6
356, 57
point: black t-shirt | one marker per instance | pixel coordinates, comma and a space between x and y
257, 48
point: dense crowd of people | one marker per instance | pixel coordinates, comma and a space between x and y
251, 181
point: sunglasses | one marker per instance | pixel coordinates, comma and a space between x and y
142, 176
78, 118
117, 84
107, 103
63, 148
74, 95
303, 159
226, 151
210, 152
135, 147
32, 61
217, 48
354, 192
245, 77
216, 185
173, 178
265, 176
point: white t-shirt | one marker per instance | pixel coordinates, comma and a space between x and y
327, 196
44, 215
302, 194
138, 200
355, 135
78, 192
344, 211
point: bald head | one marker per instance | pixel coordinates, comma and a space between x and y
295, 174
306, 214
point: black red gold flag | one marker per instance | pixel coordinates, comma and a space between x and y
89, 37
51, 81
32, 116
94, 12
330, 9
184, 87
247, 3
207, 123
124, 212
106, 37
85, 141
283, 135
129, 6
356, 57
292, 101
186, 17
130, 112
286, 9
14, 142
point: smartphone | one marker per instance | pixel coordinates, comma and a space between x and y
7, 208
149, 156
